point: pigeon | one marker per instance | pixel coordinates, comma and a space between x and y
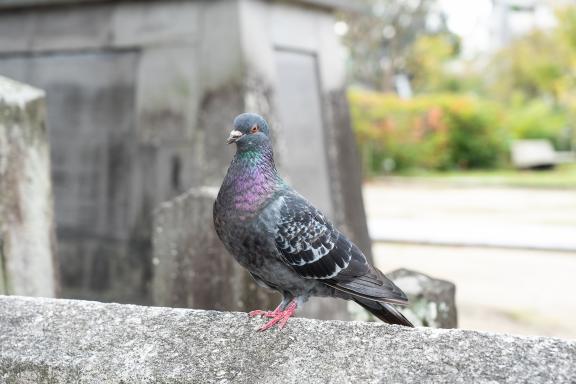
285, 243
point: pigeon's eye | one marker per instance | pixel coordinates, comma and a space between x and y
254, 128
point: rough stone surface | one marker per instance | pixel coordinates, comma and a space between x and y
27, 243
432, 301
63, 341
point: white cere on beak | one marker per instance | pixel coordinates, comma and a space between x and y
234, 135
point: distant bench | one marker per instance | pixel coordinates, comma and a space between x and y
536, 154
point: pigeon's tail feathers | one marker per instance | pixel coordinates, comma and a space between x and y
385, 312
372, 285
359, 293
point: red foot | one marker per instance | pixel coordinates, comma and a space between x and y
279, 317
259, 312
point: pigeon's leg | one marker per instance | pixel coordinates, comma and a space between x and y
281, 317
273, 313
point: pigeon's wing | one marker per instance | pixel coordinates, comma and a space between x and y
311, 245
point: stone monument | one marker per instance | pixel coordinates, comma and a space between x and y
27, 242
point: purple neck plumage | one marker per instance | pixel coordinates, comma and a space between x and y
251, 179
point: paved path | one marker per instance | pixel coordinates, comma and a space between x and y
498, 290
498, 217
519, 291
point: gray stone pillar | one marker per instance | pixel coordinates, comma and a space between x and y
432, 301
27, 242
191, 266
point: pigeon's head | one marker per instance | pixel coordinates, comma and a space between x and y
250, 130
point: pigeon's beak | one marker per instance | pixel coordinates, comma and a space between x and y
234, 136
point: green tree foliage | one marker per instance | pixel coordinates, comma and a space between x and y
566, 34
426, 60
537, 119
440, 132
534, 66
465, 119
379, 39
535, 77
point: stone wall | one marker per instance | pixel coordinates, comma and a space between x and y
27, 243
63, 341
431, 302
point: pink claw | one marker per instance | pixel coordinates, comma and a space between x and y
280, 317
259, 312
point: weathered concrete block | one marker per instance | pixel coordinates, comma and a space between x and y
156, 23
191, 266
167, 102
27, 243
65, 341
432, 301
52, 29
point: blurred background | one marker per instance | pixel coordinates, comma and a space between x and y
439, 134
464, 114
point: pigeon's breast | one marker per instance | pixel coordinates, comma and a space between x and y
250, 243
251, 193
251, 240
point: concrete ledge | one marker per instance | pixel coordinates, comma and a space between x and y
62, 341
